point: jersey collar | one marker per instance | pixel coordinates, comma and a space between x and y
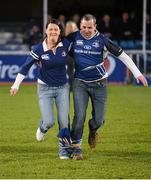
96, 34
46, 48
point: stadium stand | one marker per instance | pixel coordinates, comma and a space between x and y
12, 37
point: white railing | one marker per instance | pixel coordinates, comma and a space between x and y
140, 55
14, 52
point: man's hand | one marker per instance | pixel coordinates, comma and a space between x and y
13, 91
142, 79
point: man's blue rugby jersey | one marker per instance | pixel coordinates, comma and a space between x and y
52, 69
89, 54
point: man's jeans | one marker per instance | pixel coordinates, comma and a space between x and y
47, 97
81, 93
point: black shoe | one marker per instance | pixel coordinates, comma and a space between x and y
77, 154
93, 139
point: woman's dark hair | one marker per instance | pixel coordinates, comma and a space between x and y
55, 21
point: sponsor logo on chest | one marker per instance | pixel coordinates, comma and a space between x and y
88, 47
45, 57
79, 42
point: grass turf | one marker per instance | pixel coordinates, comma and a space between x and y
123, 151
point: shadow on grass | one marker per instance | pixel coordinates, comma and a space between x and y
26, 149
123, 153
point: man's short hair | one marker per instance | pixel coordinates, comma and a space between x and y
88, 17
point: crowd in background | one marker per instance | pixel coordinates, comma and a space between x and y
126, 27
125, 30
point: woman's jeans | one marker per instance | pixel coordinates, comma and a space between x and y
47, 96
82, 91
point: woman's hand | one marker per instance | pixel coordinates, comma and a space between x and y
13, 91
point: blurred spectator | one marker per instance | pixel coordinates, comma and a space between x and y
49, 17
76, 19
125, 27
71, 26
148, 26
62, 20
34, 36
105, 26
136, 25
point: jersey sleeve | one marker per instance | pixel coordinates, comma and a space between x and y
67, 44
31, 59
71, 36
112, 47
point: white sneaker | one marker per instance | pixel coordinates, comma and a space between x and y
39, 135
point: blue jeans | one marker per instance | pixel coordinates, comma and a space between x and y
47, 96
82, 91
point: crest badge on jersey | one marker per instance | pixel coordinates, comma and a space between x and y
63, 53
96, 44
45, 56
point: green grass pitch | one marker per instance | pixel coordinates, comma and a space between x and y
123, 151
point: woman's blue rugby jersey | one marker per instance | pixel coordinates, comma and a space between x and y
89, 54
52, 68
